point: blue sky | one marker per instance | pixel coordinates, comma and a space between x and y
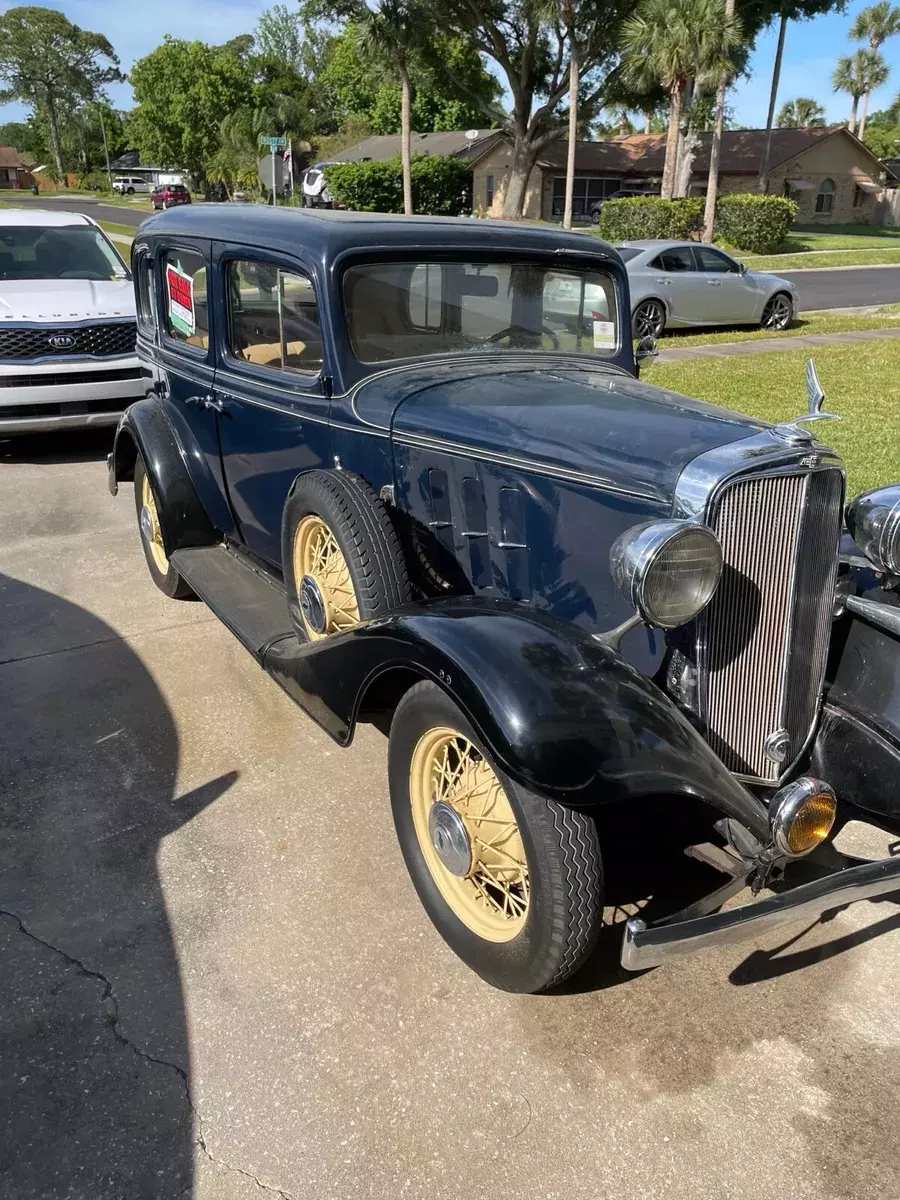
135, 26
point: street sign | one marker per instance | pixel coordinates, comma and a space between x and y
274, 142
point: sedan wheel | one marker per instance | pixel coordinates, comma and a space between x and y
778, 313
649, 319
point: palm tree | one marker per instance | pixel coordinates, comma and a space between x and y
715, 148
858, 74
874, 25
387, 36
802, 113
675, 42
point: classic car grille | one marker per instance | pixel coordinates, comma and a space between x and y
763, 639
104, 340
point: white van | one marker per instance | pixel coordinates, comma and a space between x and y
127, 185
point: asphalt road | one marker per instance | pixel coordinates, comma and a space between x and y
121, 214
846, 288
218, 983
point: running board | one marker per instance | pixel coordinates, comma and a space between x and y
251, 603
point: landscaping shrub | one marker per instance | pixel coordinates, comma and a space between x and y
93, 181
440, 186
757, 224
637, 217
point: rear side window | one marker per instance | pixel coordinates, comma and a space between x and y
273, 319
184, 289
143, 273
676, 258
626, 253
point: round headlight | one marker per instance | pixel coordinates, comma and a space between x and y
802, 815
874, 523
668, 570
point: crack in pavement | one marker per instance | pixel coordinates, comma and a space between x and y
111, 1006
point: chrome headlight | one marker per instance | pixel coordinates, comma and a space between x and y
874, 523
668, 570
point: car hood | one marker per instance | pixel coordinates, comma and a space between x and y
63, 300
575, 419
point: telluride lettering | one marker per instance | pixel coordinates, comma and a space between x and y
410, 464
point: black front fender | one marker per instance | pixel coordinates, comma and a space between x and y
561, 712
144, 430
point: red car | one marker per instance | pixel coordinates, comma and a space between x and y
165, 195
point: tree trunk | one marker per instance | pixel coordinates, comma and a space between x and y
851, 124
668, 179
405, 154
773, 95
54, 133
684, 153
648, 121
516, 193
573, 131
864, 108
715, 150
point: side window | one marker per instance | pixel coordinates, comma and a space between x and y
273, 319
676, 258
184, 289
144, 277
714, 263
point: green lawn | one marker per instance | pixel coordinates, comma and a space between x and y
812, 322
112, 227
838, 258
861, 381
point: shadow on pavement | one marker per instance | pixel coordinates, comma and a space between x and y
70, 445
94, 1062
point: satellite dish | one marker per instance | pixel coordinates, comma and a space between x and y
472, 135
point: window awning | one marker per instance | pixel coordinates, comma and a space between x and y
866, 185
800, 185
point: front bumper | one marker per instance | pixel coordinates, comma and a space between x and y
646, 946
69, 394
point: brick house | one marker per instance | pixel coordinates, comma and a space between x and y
14, 172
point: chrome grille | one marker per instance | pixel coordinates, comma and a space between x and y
105, 339
763, 638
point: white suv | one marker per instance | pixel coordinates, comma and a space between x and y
127, 185
67, 324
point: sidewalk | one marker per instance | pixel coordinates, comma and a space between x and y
803, 341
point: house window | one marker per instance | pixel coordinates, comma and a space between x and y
825, 196
859, 197
489, 195
586, 191
786, 189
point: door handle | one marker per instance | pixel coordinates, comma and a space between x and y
200, 401
215, 404
714, 282
662, 279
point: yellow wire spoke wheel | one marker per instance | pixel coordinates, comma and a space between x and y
327, 596
468, 835
150, 527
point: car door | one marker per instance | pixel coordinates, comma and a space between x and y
731, 298
271, 392
675, 274
186, 369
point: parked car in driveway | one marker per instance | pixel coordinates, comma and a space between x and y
128, 185
67, 324
409, 464
675, 284
166, 195
621, 194
314, 188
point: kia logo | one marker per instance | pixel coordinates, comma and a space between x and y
62, 341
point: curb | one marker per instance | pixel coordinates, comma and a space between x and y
806, 341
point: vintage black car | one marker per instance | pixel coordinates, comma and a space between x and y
410, 464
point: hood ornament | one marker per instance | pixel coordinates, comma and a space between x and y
791, 431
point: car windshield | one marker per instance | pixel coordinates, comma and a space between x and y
411, 309
57, 252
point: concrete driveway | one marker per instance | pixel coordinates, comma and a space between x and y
217, 982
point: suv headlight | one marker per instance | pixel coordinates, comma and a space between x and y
874, 523
669, 570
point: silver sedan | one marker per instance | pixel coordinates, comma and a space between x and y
675, 284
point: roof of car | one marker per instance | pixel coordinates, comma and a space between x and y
41, 216
333, 231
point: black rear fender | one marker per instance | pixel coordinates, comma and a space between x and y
561, 713
144, 430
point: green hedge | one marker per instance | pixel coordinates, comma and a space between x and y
440, 186
757, 224
636, 217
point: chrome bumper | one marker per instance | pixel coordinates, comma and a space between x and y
646, 946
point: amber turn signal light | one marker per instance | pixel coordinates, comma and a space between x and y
802, 815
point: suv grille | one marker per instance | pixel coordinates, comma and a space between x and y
100, 340
763, 638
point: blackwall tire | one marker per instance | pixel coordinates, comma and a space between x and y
341, 555
539, 885
162, 572
648, 319
131, 191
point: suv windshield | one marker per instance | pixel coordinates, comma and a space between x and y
411, 309
57, 252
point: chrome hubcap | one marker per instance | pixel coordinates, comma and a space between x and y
779, 313
148, 526
450, 838
312, 605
